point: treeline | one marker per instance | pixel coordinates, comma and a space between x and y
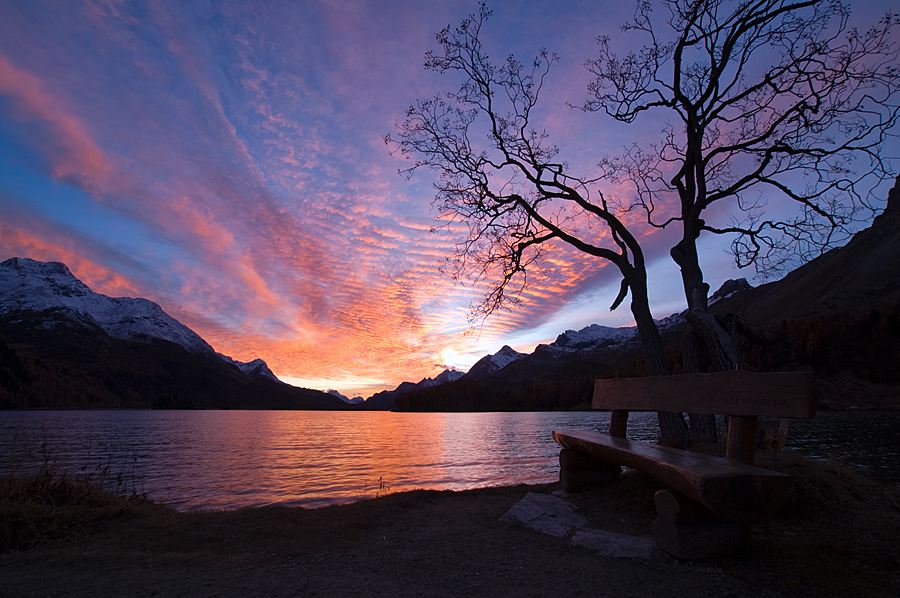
26, 383
470, 395
864, 343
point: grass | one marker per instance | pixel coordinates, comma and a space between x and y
40, 504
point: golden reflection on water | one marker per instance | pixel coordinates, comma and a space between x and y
314, 458
230, 459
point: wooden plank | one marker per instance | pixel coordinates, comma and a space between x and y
739, 492
741, 442
775, 394
618, 423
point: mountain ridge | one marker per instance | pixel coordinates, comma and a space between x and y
28, 284
63, 345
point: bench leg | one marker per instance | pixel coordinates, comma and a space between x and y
688, 530
579, 472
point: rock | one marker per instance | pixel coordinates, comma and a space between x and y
546, 514
552, 515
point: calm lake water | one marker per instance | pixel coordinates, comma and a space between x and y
232, 459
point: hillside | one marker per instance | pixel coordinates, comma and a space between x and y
862, 274
837, 316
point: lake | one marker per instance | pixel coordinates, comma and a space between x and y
233, 459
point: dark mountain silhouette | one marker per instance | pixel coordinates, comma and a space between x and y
837, 316
386, 399
863, 273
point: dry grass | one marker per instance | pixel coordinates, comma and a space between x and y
836, 536
39, 504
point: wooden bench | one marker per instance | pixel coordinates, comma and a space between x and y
709, 501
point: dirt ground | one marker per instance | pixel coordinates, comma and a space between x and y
422, 543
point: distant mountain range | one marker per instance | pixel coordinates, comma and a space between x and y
572, 351
63, 345
387, 398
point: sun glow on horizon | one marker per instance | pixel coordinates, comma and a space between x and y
350, 388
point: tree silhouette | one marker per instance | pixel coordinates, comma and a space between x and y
772, 104
510, 191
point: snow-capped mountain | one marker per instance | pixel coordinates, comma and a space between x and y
493, 363
70, 347
27, 284
442, 378
596, 337
592, 337
256, 368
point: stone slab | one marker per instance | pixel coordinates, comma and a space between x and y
552, 515
546, 514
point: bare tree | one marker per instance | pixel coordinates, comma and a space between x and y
510, 191
770, 104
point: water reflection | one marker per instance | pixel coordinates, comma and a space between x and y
230, 459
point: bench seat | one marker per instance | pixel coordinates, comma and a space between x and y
739, 492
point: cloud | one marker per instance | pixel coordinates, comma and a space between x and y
76, 155
35, 244
239, 147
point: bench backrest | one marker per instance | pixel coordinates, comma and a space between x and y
740, 393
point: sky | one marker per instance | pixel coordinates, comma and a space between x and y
226, 160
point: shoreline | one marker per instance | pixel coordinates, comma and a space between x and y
836, 537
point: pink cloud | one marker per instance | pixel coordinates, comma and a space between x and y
78, 156
22, 243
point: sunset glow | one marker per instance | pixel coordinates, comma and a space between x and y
226, 160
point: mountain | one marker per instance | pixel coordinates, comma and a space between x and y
387, 398
254, 369
837, 316
864, 273
64, 345
555, 376
574, 353
489, 364
593, 337
348, 400
29, 285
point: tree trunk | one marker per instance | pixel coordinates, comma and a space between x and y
709, 346
673, 430
694, 360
